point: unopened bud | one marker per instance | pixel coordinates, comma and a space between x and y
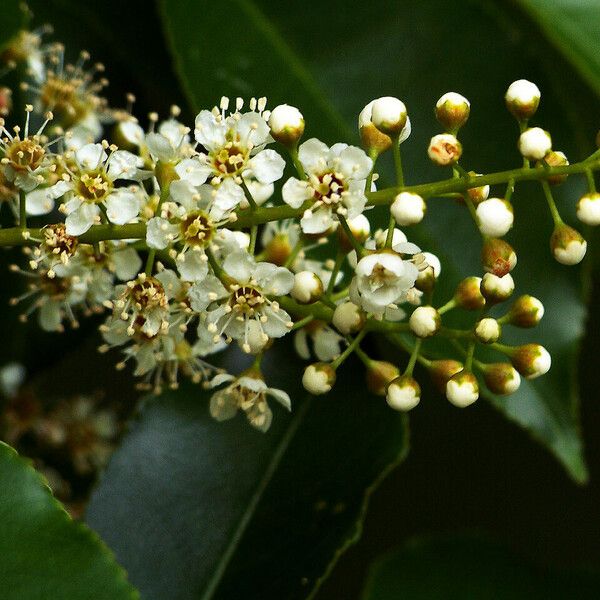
360, 228
278, 250
567, 245
495, 217
408, 208
287, 125
5, 100
462, 389
488, 330
308, 287
441, 371
318, 378
348, 318
373, 141
497, 289
425, 321
389, 115
444, 149
452, 111
531, 360
379, 375
501, 378
535, 143
522, 99
478, 194
498, 257
555, 158
468, 294
527, 311
403, 393
588, 209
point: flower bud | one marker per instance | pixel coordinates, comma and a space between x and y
588, 209
441, 371
318, 378
567, 245
403, 393
373, 141
555, 158
360, 228
452, 111
444, 149
408, 208
287, 125
5, 100
501, 378
427, 277
497, 289
278, 250
478, 194
498, 257
535, 143
531, 360
468, 294
488, 330
389, 115
527, 311
379, 374
495, 217
522, 99
308, 287
348, 318
462, 389
425, 321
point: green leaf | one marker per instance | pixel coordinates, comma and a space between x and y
197, 509
14, 19
44, 555
345, 58
465, 567
573, 28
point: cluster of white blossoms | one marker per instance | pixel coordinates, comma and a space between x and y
190, 239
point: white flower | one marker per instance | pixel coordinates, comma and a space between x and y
307, 288
487, 330
403, 393
495, 217
389, 115
348, 318
286, 123
535, 143
336, 183
91, 185
424, 321
444, 149
381, 280
248, 392
169, 144
235, 149
243, 309
318, 378
462, 389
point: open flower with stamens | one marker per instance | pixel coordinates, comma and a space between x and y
92, 191
25, 160
235, 147
239, 304
382, 280
335, 184
247, 392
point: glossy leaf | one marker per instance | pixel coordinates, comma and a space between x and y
199, 509
465, 567
43, 553
284, 53
573, 26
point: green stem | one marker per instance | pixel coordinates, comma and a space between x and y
22, 210
295, 251
591, 181
249, 197
470, 353
339, 259
447, 307
413, 357
302, 322
216, 267
164, 194
355, 244
551, 204
349, 350
297, 164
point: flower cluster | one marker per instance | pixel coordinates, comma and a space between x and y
193, 238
